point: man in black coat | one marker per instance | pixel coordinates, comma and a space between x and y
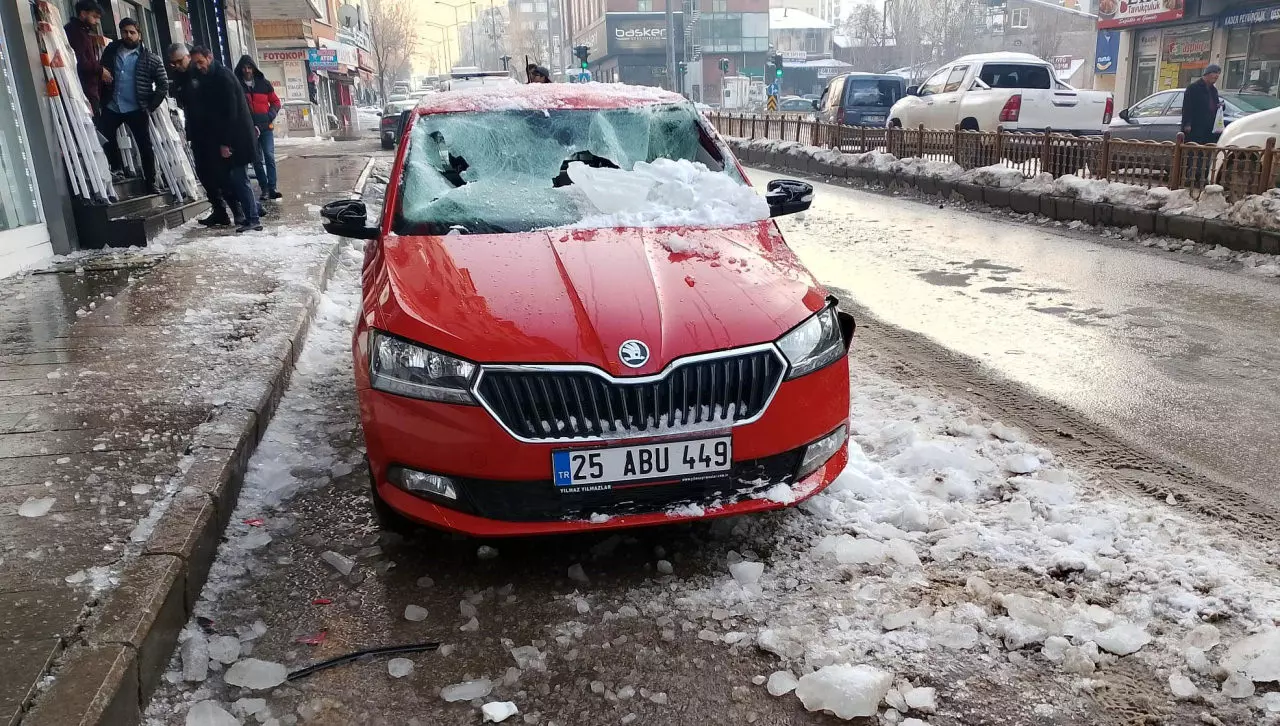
227, 126
134, 85
209, 166
1200, 107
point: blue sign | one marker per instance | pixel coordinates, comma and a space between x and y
774, 89
1252, 17
1107, 53
322, 59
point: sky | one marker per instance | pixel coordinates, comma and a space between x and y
434, 11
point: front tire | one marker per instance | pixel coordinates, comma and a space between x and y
388, 144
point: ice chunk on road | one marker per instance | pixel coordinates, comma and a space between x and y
341, 563
1203, 637
1237, 685
848, 691
853, 551
246, 707
957, 636
415, 613
256, 675
195, 658
485, 552
1257, 656
903, 618
1044, 614
467, 690
1021, 464
1123, 639
399, 667
225, 649
498, 711
528, 656
746, 573
34, 507
209, 713
1271, 702
1077, 661
577, 574
665, 568
1055, 646
924, 700
1182, 687
781, 683
901, 551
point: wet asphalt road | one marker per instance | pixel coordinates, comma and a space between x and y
1176, 353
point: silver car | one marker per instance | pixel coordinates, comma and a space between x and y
1158, 117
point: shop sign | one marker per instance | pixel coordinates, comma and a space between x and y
1106, 52
794, 56
1252, 17
366, 60
280, 56
1061, 62
1127, 13
1187, 48
637, 33
347, 55
828, 71
322, 59
295, 81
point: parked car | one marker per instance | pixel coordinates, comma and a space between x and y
1158, 117
1011, 91
392, 123
526, 366
1251, 131
795, 106
860, 99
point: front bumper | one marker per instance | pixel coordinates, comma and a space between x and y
505, 487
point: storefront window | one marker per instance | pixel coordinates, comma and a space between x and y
1262, 74
18, 207
1184, 55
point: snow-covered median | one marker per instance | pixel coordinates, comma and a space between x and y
954, 555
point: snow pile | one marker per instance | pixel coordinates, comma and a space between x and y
665, 193
995, 175
1259, 210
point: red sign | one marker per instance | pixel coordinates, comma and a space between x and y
364, 59
277, 56
1126, 13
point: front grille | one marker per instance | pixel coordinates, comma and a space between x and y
706, 393
541, 501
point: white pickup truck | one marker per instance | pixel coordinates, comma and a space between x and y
1011, 91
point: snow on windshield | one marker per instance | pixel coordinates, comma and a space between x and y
521, 170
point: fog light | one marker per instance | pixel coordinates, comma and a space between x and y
420, 482
817, 453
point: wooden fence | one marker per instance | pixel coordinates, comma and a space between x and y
1174, 164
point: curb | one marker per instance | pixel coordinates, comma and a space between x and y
108, 677
1058, 208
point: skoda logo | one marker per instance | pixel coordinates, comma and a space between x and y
634, 354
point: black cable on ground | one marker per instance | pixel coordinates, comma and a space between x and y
360, 654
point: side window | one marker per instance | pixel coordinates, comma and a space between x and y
1175, 106
935, 83
955, 79
834, 92
1150, 107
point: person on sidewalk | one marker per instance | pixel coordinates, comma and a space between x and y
264, 104
229, 127
85, 38
134, 85
209, 167
1200, 109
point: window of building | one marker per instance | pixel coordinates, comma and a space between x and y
644, 6
1020, 18
526, 7
719, 6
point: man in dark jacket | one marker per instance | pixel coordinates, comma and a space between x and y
264, 104
209, 166
85, 39
228, 126
135, 84
1200, 107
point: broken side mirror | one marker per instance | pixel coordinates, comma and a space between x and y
788, 196
346, 218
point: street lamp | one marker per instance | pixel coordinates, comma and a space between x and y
444, 40
472, 5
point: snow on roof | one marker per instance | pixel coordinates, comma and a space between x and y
792, 19
820, 63
1061, 8
1001, 57
533, 96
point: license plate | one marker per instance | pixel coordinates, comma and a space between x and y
873, 119
623, 465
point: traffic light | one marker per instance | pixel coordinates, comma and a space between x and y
724, 65
777, 66
683, 67
582, 52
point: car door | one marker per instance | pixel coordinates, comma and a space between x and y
830, 102
923, 112
946, 103
1142, 115
1166, 126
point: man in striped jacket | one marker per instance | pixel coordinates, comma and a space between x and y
134, 85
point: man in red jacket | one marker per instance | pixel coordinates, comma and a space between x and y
264, 105
85, 39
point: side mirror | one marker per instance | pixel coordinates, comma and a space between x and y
1124, 114
815, 106
788, 196
913, 90
346, 218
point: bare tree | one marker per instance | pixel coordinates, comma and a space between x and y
950, 27
868, 32
391, 37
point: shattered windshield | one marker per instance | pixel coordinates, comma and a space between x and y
497, 172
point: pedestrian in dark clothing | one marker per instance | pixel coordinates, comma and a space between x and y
538, 74
264, 104
209, 167
228, 125
1200, 107
85, 38
135, 84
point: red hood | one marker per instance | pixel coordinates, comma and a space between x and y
577, 295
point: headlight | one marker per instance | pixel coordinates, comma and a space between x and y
815, 343
398, 366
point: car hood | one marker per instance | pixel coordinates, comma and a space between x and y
1253, 129
565, 296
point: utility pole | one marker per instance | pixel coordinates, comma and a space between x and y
552, 61
671, 45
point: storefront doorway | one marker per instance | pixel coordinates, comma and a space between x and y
24, 238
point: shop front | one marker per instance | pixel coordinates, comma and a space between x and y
1252, 50
24, 237
633, 48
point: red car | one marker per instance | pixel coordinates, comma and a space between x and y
575, 316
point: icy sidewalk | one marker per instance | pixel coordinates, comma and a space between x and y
123, 378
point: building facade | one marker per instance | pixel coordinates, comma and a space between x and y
536, 31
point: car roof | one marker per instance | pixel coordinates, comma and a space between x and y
1000, 57
546, 96
876, 76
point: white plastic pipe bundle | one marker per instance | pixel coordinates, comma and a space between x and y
87, 169
171, 156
